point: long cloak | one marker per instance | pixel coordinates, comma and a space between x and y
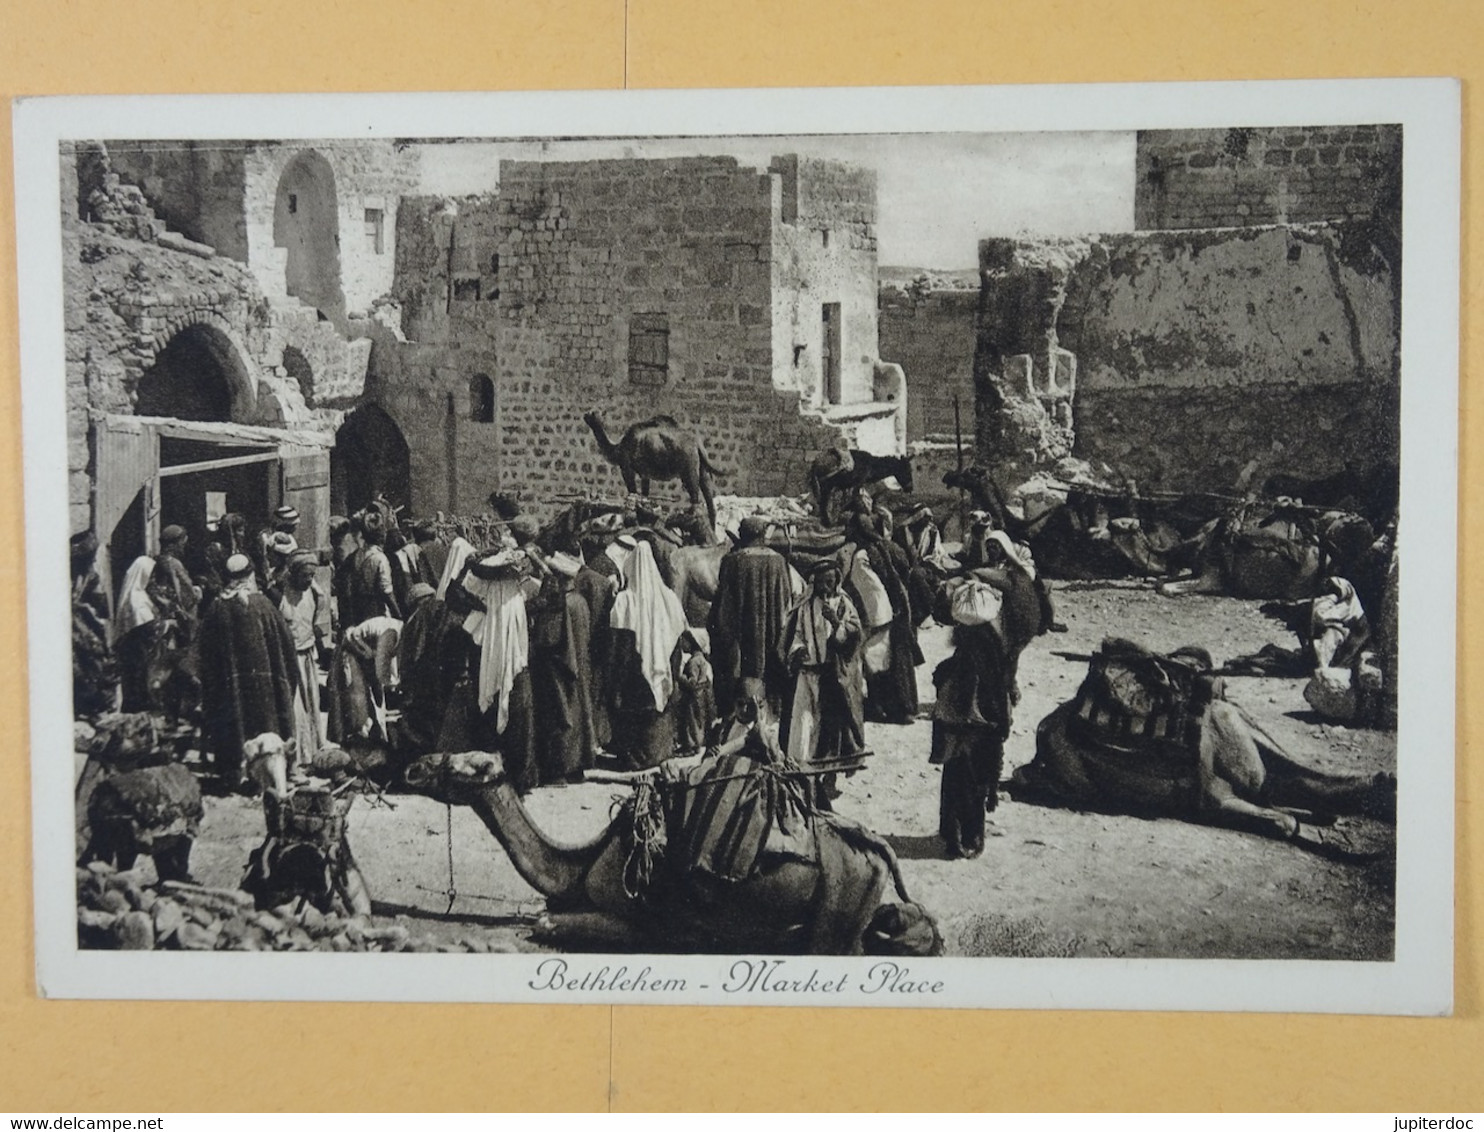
753, 597
432, 656
891, 696
249, 676
826, 717
561, 684
595, 585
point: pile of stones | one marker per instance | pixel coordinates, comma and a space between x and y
126, 911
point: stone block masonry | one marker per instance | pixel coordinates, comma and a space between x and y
631, 287
1271, 175
932, 338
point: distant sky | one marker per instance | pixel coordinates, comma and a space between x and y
938, 194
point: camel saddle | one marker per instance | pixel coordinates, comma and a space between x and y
1138, 701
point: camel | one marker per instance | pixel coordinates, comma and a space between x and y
1234, 774
659, 449
827, 902
830, 474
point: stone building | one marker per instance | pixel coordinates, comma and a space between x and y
213, 343
740, 302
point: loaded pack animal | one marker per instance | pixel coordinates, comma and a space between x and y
1372, 492
832, 475
659, 449
1154, 734
667, 874
1093, 534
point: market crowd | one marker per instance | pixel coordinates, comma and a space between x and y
406, 638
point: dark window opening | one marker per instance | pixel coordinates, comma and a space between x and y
824, 237
481, 399
376, 229
466, 290
492, 291
293, 203
649, 349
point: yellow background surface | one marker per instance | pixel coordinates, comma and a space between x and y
83, 1057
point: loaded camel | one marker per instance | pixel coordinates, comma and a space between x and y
833, 899
1217, 766
659, 449
832, 473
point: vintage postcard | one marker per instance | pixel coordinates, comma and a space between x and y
981, 547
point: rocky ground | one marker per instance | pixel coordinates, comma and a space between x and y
1050, 883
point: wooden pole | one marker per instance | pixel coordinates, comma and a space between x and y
958, 446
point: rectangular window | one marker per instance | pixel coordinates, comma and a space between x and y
649, 349
466, 290
375, 229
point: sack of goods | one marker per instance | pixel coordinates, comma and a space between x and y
1137, 699
975, 603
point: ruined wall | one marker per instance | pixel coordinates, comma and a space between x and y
1269, 175
367, 175
1200, 351
824, 251
196, 187
932, 337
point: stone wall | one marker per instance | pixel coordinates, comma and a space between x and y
932, 338
575, 269
126, 300
1199, 352
824, 252
1269, 175
367, 175
196, 187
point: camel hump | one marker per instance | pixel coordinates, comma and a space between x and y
658, 420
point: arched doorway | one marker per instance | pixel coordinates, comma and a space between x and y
198, 376
306, 222
297, 366
370, 458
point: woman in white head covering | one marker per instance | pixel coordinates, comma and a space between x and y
134, 627
646, 624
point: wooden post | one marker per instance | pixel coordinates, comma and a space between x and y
958, 445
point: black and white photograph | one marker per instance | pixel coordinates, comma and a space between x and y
886, 548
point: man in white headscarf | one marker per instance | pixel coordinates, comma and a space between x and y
1338, 627
646, 623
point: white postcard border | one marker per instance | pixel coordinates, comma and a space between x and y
1418, 981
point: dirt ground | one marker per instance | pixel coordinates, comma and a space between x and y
1051, 882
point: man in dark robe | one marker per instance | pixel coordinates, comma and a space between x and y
753, 596
94, 678
177, 601
977, 694
561, 676
891, 695
249, 671
432, 655
596, 583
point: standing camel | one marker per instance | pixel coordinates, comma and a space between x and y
659, 449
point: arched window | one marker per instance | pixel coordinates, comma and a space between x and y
481, 399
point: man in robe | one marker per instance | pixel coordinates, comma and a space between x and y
753, 596
306, 608
977, 692
361, 672
826, 719
372, 588
249, 671
646, 623
176, 600
94, 676
561, 675
891, 693
285, 522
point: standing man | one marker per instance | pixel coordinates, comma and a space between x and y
285, 521
176, 601
753, 596
826, 722
373, 592
249, 671
306, 608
